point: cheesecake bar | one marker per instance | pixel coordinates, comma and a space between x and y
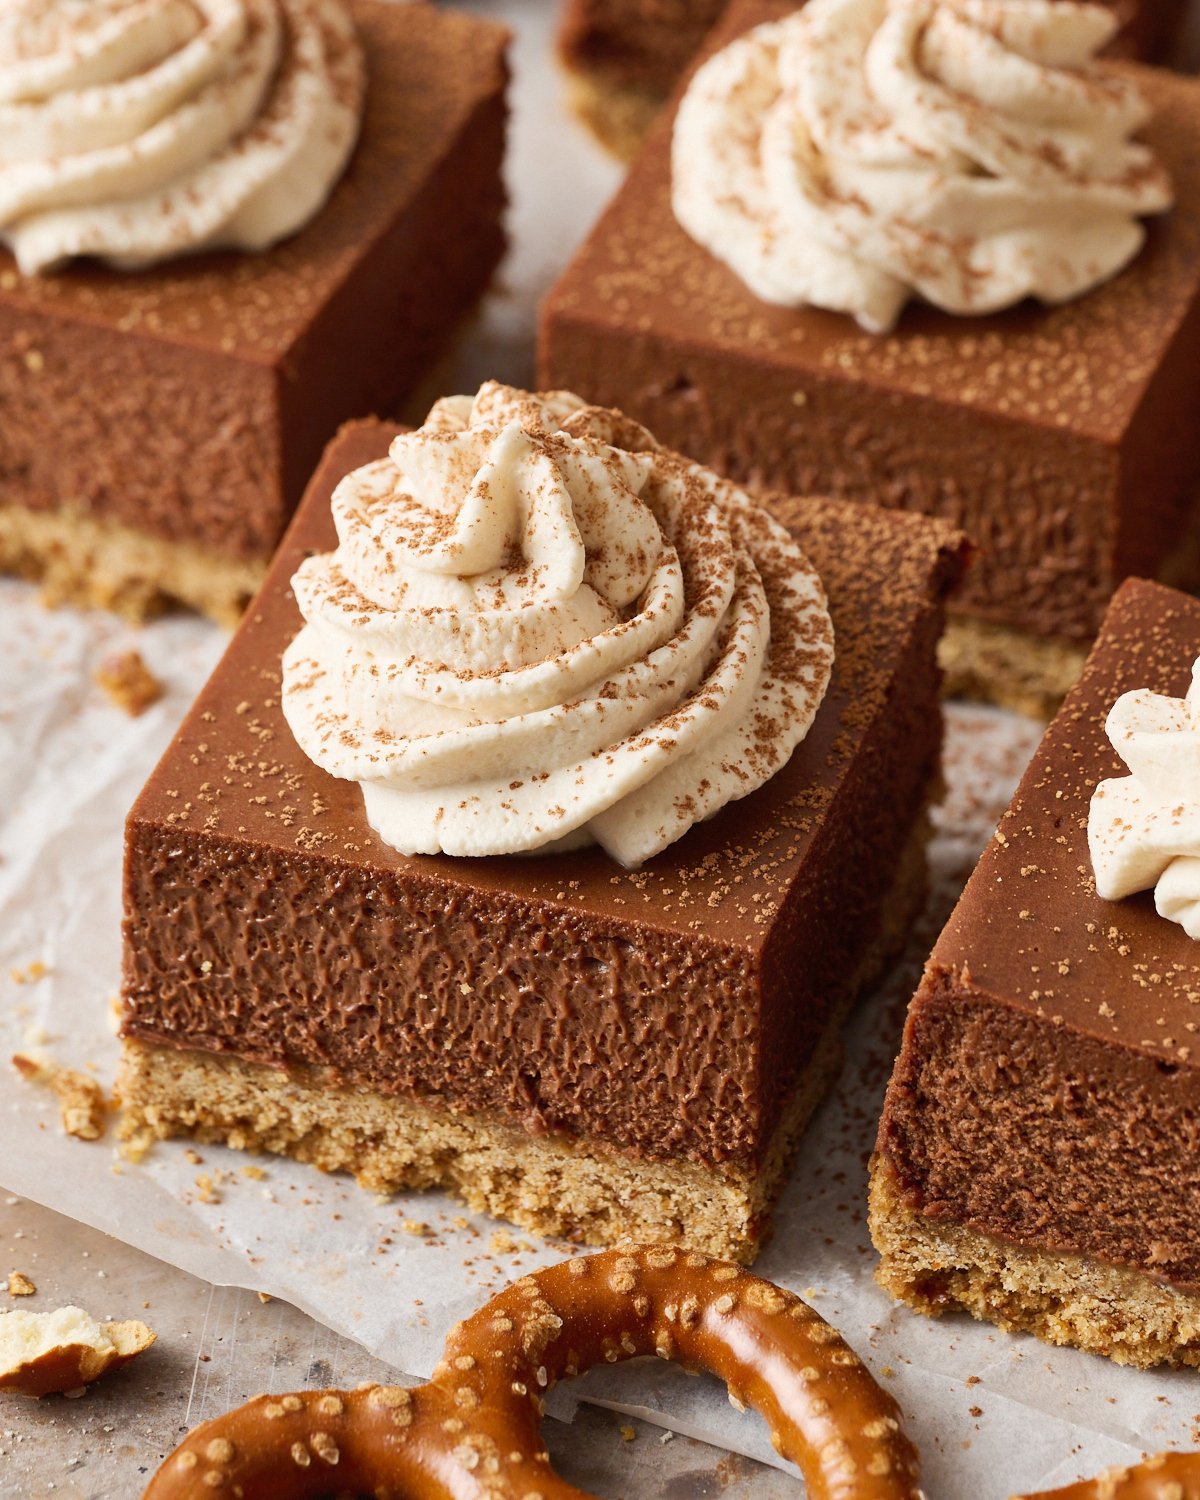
158, 425
1036, 1161
1059, 437
624, 57
582, 1048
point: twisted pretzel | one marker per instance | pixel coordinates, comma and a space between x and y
473, 1433
1166, 1476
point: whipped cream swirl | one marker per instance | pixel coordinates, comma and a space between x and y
1144, 828
138, 130
539, 630
969, 152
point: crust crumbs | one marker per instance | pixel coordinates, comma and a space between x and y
129, 682
82, 1105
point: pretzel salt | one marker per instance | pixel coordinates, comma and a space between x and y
473, 1433
1167, 1476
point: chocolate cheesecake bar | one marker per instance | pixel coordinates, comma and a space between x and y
1036, 1161
624, 57
582, 1048
1059, 437
158, 425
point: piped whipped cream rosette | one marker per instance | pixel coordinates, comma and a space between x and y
138, 130
967, 152
1144, 828
539, 631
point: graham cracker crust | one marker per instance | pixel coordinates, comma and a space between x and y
938, 1267
1013, 668
554, 1185
618, 116
81, 561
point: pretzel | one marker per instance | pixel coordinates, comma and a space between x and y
473, 1433
42, 1354
1166, 1476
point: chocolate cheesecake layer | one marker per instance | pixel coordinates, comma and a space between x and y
1048, 1090
1062, 439
667, 1011
190, 401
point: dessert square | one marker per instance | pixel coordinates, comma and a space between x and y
623, 57
1060, 438
582, 1049
157, 426
1036, 1161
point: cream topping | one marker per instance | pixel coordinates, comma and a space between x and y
540, 630
968, 152
1144, 828
138, 130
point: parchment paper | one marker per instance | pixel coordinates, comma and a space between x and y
992, 1413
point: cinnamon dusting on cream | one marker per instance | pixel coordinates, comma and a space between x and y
531, 637
970, 152
138, 130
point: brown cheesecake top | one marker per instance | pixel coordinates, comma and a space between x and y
235, 770
427, 69
1030, 928
1083, 366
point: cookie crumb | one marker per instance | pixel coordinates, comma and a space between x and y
82, 1105
30, 974
19, 1285
129, 682
207, 1189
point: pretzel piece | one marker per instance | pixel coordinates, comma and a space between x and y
473, 1433
1166, 1476
45, 1353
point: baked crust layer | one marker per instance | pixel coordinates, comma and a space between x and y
93, 563
618, 115
1016, 669
936, 1266
550, 1185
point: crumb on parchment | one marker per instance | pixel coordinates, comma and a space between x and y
30, 974
82, 1105
129, 682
